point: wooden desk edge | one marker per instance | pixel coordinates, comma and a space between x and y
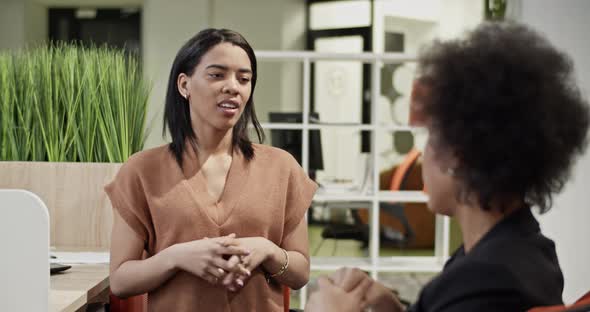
97, 293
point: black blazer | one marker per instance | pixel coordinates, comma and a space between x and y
512, 268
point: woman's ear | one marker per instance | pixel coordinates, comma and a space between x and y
446, 158
453, 162
183, 83
420, 94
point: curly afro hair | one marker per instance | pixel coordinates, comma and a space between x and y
503, 100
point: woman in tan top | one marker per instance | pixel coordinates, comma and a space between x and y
211, 221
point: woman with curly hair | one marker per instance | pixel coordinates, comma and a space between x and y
506, 123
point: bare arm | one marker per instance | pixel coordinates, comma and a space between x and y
130, 275
297, 246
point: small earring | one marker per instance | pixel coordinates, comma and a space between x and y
451, 171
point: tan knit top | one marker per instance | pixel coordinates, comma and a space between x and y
165, 205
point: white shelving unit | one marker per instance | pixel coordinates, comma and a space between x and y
373, 263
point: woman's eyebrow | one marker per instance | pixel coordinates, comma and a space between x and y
223, 67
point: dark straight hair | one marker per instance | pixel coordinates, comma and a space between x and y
177, 110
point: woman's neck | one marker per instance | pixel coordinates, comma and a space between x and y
476, 222
212, 142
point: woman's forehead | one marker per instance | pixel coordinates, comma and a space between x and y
226, 56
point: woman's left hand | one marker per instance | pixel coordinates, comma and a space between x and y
260, 250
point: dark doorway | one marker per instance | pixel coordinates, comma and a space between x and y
118, 28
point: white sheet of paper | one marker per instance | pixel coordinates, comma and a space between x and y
80, 257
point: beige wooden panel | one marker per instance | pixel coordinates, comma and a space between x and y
79, 210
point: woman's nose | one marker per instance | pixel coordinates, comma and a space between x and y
230, 86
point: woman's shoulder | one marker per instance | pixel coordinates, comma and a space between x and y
148, 161
149, 157
271, 154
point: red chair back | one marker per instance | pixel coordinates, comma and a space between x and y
139, 303
286, 298
132, 304
582, 304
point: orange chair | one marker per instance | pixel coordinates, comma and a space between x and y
581, 305
400, 174
406, 176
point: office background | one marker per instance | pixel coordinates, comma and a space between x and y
165, 25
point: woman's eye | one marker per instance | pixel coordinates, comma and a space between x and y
245, 79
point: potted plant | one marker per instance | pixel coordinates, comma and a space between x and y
69, 116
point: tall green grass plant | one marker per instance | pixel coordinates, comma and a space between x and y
69, 103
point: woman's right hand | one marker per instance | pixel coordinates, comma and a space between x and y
377, 297
206, 258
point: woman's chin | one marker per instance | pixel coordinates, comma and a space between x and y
437, 209
225, 125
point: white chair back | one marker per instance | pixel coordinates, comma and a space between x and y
24, 247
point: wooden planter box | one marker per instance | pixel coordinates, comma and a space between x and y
79, 210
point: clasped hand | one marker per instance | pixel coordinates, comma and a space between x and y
226, 260
351, 290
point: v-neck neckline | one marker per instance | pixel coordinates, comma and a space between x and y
218, 211
201, 174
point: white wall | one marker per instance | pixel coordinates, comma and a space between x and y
12, 35
166, 26
566, 24
420, 21
451, 17
243, 16
339, 14
279, 83
36, 21
458, 16
292, 38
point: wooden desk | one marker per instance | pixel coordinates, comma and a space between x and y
80, 285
